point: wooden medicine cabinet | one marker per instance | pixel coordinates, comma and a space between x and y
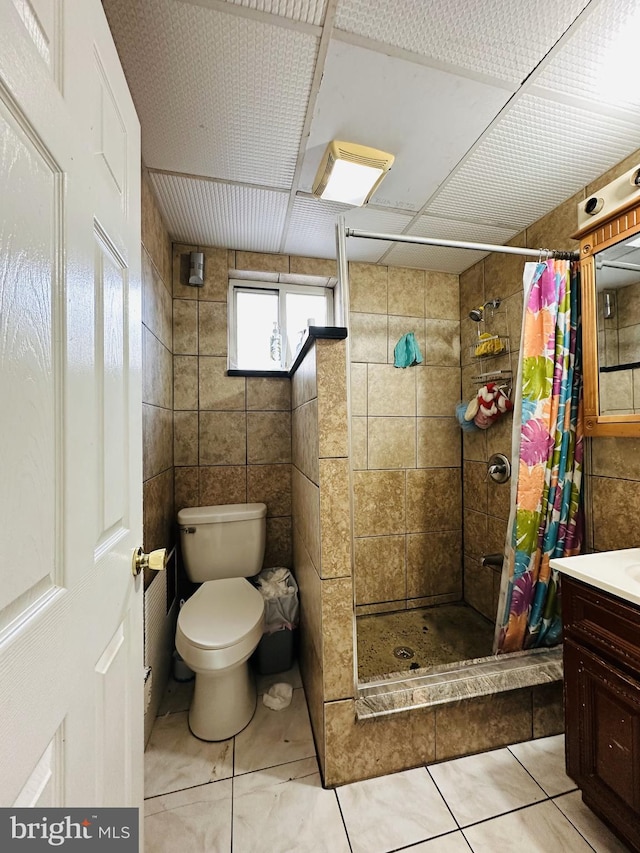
610, 274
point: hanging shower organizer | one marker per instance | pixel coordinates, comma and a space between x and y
492, 343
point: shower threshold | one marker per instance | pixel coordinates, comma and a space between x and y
396, 692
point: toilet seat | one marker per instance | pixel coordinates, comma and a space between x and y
221, 613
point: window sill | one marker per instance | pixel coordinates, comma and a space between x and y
314, 333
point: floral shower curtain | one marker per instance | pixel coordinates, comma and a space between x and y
546, 516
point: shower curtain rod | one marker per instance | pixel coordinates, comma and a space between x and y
342, 232
458, 244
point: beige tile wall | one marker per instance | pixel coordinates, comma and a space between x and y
212, 463
350, 750
232, 435
157, 455
322, 528
157, 375
406, 444
612, 481
354, 750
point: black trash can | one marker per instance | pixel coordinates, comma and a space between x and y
275, 652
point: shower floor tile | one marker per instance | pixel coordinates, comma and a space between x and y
436, 635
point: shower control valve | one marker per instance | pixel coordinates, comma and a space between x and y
499, 468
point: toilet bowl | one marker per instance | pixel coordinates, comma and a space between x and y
218, 630
221, 624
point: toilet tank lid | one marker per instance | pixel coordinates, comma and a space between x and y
224, 512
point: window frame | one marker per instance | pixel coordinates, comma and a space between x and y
237, 285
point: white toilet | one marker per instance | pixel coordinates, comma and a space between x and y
221, 624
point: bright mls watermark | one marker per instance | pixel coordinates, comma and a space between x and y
69, 829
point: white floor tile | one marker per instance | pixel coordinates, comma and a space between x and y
393, 811
536, 829
482, 786
275, 737
191, 821
177, 697
455, 842
284, 809
544, 759
587, 823
277, 803
175, 759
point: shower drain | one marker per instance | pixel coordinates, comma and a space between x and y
403, 652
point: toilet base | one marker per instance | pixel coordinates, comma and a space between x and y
223, 703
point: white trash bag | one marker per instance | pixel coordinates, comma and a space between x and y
280, 592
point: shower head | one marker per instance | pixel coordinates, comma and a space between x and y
477, 314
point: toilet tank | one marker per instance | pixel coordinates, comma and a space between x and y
222, 541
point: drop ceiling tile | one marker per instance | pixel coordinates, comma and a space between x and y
599, 61
207, 213
306, 11
312, 231
488, 38
539, 154
441, 258
432, 258
217, 95
451, 229
427, 118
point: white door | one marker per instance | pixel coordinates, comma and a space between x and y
71, 716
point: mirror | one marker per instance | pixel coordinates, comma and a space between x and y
618, 324
611, 325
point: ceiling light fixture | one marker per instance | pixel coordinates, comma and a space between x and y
350, 173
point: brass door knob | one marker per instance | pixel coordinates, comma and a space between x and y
156, 560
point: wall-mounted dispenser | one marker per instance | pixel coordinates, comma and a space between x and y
196, 269
609, 304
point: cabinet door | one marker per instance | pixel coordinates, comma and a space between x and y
603, 739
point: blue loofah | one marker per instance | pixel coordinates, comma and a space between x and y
467, 426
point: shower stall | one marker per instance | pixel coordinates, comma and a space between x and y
431, 502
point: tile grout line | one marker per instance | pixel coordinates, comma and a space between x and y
233, 789
444, 799
546, 799
344, 823
188, 788
414, 844
272, 766
549, 796
582, 835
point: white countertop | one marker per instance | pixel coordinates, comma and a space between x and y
617, 572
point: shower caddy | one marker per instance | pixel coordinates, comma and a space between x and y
493, 343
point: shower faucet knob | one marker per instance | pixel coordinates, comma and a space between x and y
499, 468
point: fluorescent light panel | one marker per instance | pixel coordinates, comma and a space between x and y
350, 173
350, 183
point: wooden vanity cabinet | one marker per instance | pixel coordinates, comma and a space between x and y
602, 704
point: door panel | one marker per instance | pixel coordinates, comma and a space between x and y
70, 435
111, 366
28, 431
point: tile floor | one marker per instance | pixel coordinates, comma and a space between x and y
260, 792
